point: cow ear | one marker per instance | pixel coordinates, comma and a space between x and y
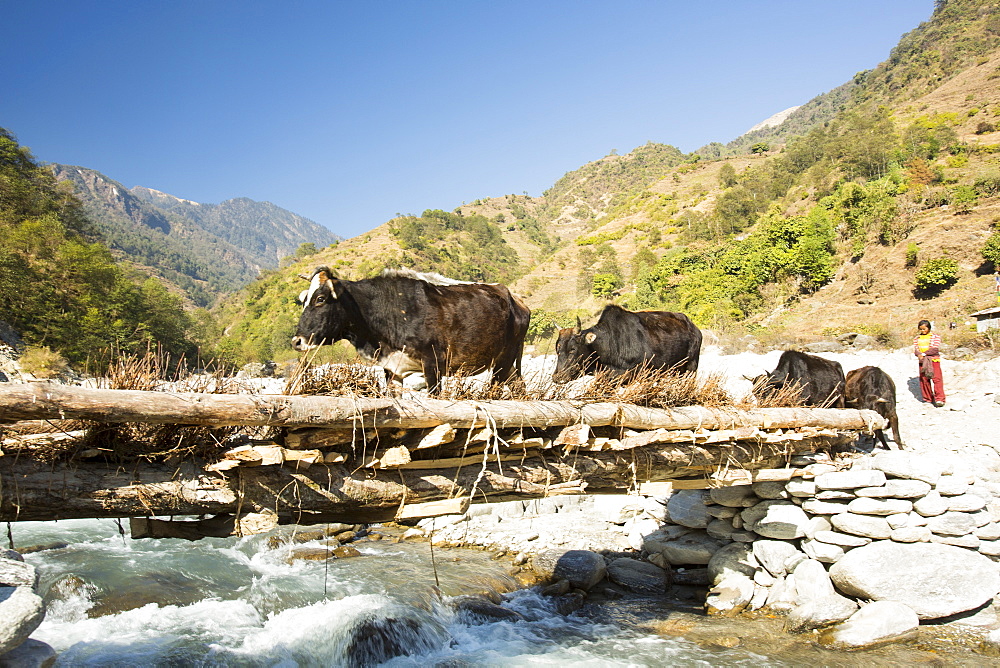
589, 337
336, 287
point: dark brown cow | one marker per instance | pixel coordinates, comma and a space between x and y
623, 341
870, 388
820, 381
412, 323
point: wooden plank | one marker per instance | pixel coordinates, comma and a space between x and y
661, 488
452, 462
301, 459
776, 475
45, 438
413, 511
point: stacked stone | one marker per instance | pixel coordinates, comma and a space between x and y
21, 611
891, 496
915, 530
903, 498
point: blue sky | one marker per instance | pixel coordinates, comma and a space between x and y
349, 113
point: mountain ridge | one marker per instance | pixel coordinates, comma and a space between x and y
204, 250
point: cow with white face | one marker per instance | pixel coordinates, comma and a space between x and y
417, 323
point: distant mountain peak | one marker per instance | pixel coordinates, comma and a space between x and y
775, 120
159, 194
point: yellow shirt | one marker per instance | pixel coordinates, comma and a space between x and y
925, 342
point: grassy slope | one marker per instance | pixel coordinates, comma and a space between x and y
878, 289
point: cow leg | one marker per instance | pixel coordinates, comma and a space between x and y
894, 423
506, 370
510, 375
880, 435
433, 373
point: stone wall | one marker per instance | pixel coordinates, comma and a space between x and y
916, 531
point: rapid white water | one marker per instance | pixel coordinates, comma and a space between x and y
114, 601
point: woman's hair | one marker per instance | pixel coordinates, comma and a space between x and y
924, 322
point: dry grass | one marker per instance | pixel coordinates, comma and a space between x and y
153, 371
656, 388
336, 380
783, 396
643, 387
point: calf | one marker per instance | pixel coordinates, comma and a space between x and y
821, 381
870, 388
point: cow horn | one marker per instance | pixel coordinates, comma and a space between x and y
579, 325
304, 277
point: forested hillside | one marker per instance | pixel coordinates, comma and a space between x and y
60, 287
199, 263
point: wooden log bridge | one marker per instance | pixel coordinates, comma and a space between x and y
358, 460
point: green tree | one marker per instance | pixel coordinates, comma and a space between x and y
643, 260
305, 250
727, 176
604, 285
760, 148
865, 143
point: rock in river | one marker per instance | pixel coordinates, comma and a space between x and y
875, 624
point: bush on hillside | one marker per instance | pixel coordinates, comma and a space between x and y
964, 199
991, 249
987, 184
604, 286
43, 362
936, 274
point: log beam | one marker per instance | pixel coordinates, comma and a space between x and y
50, 401
88, 489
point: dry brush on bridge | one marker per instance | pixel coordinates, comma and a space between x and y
311, 459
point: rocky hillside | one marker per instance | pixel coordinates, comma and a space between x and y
264, 231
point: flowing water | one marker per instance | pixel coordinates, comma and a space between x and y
114, 601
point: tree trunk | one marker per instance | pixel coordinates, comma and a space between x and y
377, 480
48, 401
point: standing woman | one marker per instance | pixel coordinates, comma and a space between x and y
927, 348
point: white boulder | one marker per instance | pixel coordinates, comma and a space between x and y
933, 580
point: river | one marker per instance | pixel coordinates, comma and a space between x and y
114, 601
